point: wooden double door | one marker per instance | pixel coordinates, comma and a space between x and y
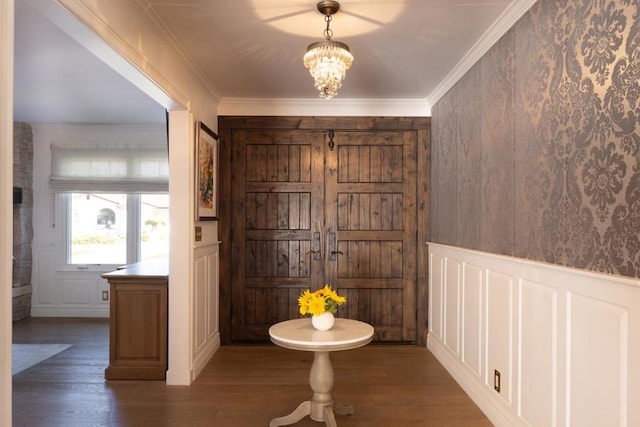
311, 207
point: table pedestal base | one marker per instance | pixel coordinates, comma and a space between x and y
321, 406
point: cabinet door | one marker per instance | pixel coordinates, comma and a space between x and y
137, 329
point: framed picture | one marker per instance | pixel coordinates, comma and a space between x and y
207, 173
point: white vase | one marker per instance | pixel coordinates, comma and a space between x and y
323, 322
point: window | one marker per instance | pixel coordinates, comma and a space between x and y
114, 229
154, 226
112, 204
97, 228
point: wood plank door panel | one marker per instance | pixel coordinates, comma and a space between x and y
278, 198
370, 205
304, 212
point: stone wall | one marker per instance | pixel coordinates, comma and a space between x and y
22, 218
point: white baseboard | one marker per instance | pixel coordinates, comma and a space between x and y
70, 312
200, 360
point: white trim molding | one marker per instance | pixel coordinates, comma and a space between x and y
323, 107
536, 344
6, 205
102, 313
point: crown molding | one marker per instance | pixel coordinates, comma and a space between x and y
505, 21
323, 107
146, 11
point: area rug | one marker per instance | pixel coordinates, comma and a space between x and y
24, 356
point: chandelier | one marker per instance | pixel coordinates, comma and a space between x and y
328, 60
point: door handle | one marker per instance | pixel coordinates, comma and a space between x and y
332, 247
315, 246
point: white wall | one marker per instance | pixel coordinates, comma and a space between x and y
123, 36
565, 341
56, 292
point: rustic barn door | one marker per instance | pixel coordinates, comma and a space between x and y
370, 226
311, 207
278, 202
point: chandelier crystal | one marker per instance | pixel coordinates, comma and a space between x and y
328, 60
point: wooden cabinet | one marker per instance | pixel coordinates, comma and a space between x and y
138, 322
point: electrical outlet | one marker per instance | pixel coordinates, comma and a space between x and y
105, 295
496, 380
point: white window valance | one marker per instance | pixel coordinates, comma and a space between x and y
109, 170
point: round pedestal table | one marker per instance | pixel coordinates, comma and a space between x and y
298, 334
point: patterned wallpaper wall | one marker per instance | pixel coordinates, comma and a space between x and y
536, 150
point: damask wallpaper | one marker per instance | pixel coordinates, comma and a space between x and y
536, 150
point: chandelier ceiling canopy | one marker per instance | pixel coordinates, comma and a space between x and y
328, 60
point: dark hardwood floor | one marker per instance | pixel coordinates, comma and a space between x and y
242, 386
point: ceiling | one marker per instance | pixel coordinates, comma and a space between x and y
57, 81
403, 50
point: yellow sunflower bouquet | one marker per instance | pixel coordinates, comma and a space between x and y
321, 301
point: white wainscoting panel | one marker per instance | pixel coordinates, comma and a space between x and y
63, 293
44, 268
74, 291
537, 350
103, 289
452, 310
498, 333
436, 295
472, 321
564, 340
199, 303
213, 322
206, 334
596, 377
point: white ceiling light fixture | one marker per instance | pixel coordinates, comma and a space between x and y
328, 60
